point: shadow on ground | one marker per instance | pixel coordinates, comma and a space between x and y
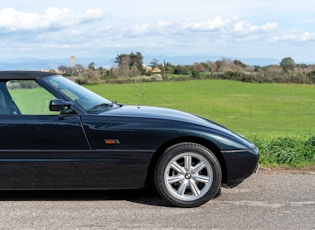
137, 196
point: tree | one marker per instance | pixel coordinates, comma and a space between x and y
198, 67
78, 68
223, 64
123, 67
91, 65
133, 59
64, 69
89, 76
119, 58
154, 63
212, 66
287, 64
181, 70
136, 60
128, 62
239, 63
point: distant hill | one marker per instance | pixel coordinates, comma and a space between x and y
107, 62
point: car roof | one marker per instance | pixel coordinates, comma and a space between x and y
23, 75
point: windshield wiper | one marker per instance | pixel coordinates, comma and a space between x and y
103, 105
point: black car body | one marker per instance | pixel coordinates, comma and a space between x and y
87, 142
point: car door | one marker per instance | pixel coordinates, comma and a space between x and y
38, 148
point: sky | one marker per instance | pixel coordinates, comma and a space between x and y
106, 28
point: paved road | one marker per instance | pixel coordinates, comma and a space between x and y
264, 201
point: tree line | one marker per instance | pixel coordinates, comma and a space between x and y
130, 68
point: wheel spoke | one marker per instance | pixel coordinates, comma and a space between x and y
194, 188
188, 163
198, 167
182, 188
177, 167
174, 179
201, 178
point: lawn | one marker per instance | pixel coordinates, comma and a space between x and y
250, 109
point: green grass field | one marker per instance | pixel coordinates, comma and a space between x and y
250, 109
33, 101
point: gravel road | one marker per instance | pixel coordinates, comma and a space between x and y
282, 200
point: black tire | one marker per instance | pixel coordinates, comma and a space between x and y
218, 193
188, 175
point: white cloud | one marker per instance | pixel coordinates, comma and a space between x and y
297, 36
226, 25
233, 29
93, 14
269, 26
161, 24
139, 30
206, 25
246, 27
12, 20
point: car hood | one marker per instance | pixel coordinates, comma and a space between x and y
163, 114
220, 134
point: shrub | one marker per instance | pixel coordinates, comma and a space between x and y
286, 151
89, 76
195, 74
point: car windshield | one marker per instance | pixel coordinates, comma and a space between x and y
89, 101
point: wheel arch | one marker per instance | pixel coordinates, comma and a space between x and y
206, 143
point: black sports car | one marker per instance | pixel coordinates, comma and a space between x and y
56, 134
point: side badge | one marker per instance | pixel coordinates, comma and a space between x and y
111, 141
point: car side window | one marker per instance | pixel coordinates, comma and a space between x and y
30, 98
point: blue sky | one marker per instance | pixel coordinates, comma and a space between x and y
100, 28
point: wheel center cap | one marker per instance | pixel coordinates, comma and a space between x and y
188, 176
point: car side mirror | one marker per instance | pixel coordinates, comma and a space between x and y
59, 105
